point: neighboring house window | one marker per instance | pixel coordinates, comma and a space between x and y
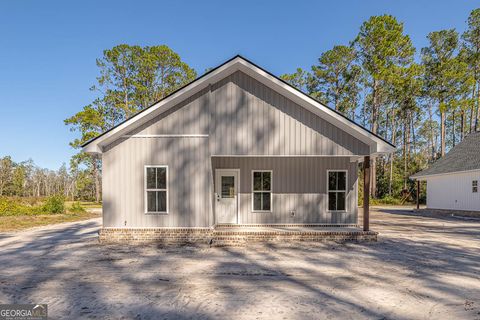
475, 186
337, 190
262, 190
156, 193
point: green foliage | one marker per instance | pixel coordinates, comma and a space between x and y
131, 79
298, 79
9, 207
382, 45
54, 204
76, 207
387, 200
375, 78
13, 206
337, 79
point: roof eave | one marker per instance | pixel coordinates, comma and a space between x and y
377, 144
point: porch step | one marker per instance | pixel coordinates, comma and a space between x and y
289, 225
240, 237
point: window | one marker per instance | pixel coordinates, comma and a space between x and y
475, 186
337, 190
156, 196
228, 187
262, 190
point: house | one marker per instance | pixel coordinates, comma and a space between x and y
453, 180
237, 146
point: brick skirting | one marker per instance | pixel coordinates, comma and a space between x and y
225, 237
159, 235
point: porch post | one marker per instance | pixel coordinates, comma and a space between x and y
418, 194
366, 193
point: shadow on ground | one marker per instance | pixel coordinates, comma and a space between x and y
421, 268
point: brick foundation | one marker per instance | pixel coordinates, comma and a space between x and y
225, 237
159, 235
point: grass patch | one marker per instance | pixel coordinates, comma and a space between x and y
18, 213
84, 204
15, 223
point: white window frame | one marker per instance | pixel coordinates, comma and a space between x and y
270, 191
474, 186
146, 189
346, 189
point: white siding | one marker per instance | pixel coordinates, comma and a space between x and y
453, 191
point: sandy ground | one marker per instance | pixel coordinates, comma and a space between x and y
421, 268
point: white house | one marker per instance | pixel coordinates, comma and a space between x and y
453, 181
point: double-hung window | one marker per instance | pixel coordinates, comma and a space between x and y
474, 186
262, 190
156, 192
337, 190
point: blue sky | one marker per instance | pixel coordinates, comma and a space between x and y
48, 48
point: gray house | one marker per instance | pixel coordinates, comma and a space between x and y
237, 146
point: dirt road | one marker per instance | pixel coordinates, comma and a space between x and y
421, 268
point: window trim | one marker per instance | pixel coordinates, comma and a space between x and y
475, 186
270, 191
145, 190
346, 189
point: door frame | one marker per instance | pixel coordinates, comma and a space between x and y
237, 170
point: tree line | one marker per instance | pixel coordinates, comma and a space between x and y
26, 179
423, 101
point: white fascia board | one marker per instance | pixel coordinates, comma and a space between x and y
377, 145
424, 178
160, 107
92, 148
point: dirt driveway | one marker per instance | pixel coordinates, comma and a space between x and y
421, 268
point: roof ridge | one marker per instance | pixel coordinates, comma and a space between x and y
238, 56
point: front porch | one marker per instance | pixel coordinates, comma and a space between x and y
240, 235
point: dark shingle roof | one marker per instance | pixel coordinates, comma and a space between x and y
463, 157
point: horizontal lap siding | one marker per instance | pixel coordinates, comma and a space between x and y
299, 184
453, 191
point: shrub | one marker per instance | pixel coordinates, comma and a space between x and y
387, 200
54, 204
76, 207
14, 207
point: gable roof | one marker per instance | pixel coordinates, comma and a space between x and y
377, 144
465, 156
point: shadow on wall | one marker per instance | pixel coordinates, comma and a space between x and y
241, 116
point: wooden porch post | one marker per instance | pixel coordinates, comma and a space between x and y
418, 194
366, 193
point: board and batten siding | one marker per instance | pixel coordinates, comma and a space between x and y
237, 116
188, 182
299, 184
242, 116
453, 191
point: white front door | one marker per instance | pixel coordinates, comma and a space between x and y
226, 195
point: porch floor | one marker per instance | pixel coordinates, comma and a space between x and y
228, 235
285, 229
